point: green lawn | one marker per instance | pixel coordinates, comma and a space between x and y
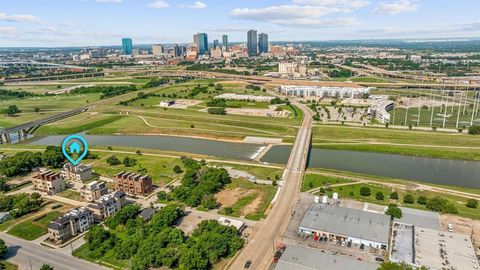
263, 173
406, 142
311, 181
32, 229
70, 194
8, 265
107, 260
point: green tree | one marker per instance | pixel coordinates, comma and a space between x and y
394, 195
11, 110
409, 199
3, 248
177, 169
36, 110
474, 130
53, 157
394, 211
365, 191
46, 267
129, 162
113, 160
422, 200
209, 201
379, 196
472, 203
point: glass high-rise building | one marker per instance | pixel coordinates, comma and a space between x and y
127, 46
263, 43
215, 43
201, 40
225, 42
252, 44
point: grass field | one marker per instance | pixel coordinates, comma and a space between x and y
107, 260
311, 181
34, 228
70, 194
8, 265
406, 142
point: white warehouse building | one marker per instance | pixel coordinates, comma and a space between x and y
346, 224
324, 91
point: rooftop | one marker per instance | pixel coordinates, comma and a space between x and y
422, 218
347, 222
303, 258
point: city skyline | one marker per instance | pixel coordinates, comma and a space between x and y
102, 22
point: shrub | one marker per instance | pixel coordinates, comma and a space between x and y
422, 200
379, 196
177, 169
113, 160
409, 199
472, 203
394, 195
365, 191
474, 130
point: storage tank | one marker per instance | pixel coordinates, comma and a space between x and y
335, 197
317, 199
325, 199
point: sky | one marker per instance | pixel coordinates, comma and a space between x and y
52, 23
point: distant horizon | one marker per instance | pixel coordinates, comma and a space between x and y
77, 23
406, 40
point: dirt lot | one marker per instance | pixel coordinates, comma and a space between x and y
252, 206
184, 103
463, 226
228, 197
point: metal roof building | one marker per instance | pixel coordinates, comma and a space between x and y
358, 226
303, 258
422, 218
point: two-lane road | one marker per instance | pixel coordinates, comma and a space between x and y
260, 248
28, 255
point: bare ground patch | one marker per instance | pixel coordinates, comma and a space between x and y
229, 197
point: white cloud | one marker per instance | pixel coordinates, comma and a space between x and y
352, 4
396, 7
19, 18
159, 4
7, 30
109, 1
196, 5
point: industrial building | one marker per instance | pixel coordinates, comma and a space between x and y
229, 96
303, 258
323, 91
420, 218
346, 224
434, 249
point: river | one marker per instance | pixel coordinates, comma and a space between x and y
430, 170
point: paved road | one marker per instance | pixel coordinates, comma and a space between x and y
260, 248
23, 253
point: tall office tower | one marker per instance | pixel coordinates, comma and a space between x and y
215, 43
263, 43
157, 49
252, 44
225, 42
202, 43
127, 46
177, 51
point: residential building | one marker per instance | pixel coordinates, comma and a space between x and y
225, 43
48, 182
157, 50
77, 173
133, 184
252, 44
292, 69
323, 91
305, 258
73, 223
93, 191
201, 40
346, 225
127, 46
263, 43
107, 205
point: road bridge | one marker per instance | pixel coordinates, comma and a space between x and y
40, 65
28, 128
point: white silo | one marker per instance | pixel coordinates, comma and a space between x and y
317, 199
325, 199
335, 197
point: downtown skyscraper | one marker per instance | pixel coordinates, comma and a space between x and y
252, 43
263, 43
201, 40
127, 46
225, 42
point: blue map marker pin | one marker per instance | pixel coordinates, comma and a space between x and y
74, 148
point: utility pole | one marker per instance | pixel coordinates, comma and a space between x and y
432, 109
445, 113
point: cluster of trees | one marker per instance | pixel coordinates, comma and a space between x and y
437, 203
221, 102
340, 73
140, 95
156, 82
200, 183
127, 161
25, 162
11, 110
217, 110
20, 204
398, 266
278, 100
107, 91
253, 87
156, 244
474, 130
197, 90
4, 94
